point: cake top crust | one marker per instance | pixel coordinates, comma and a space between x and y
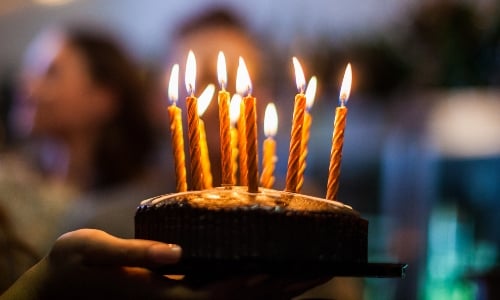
237, 197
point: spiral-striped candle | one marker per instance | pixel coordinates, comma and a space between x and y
338, 136
251, 134
295, 143
194, 143
268, 163
336, 153
242, 146
225, 139
304, 151
178, 148
234, 154
205, 158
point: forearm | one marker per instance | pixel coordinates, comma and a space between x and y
30, 285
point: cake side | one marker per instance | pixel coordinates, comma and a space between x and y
269, 226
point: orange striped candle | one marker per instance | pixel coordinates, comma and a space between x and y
338, 137
296, 133
234, 116
244, 87
175, 115
224, 124
203, 101
269, 147
310, 95
193, 124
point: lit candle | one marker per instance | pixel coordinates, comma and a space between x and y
234, 116
310, 95
269, 147
296, 134
224, 123
338, 136
176, 131
203, 101
193, 124
244, 87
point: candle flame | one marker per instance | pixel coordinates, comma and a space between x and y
190, 78
173, 84
299, 75
205, 99
243, 82
345, 90
311, 92
234, 109
270, 120
221, 70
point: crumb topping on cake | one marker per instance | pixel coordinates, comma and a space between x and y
238, 198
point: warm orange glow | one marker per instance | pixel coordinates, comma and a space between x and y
190, 73
173, 84
221, 70
243, 82
299, 75
234, 109
345, 90
270, 120
311, 92
205, 99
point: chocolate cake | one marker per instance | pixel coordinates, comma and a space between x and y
231, 224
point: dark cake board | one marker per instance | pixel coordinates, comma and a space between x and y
286, 269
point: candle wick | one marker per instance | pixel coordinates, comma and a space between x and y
342, 101
191, 90
302, 88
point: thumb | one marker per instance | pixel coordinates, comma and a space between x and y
96, 247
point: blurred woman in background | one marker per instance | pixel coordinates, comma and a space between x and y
87, 100
84, 110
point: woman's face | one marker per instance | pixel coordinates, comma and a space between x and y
63, 98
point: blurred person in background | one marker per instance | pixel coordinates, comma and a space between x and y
214, 30
83, 109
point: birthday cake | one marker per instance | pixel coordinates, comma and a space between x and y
274, 226
252, 223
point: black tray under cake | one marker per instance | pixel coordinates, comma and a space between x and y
286, 269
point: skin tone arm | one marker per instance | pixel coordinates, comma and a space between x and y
91, 264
